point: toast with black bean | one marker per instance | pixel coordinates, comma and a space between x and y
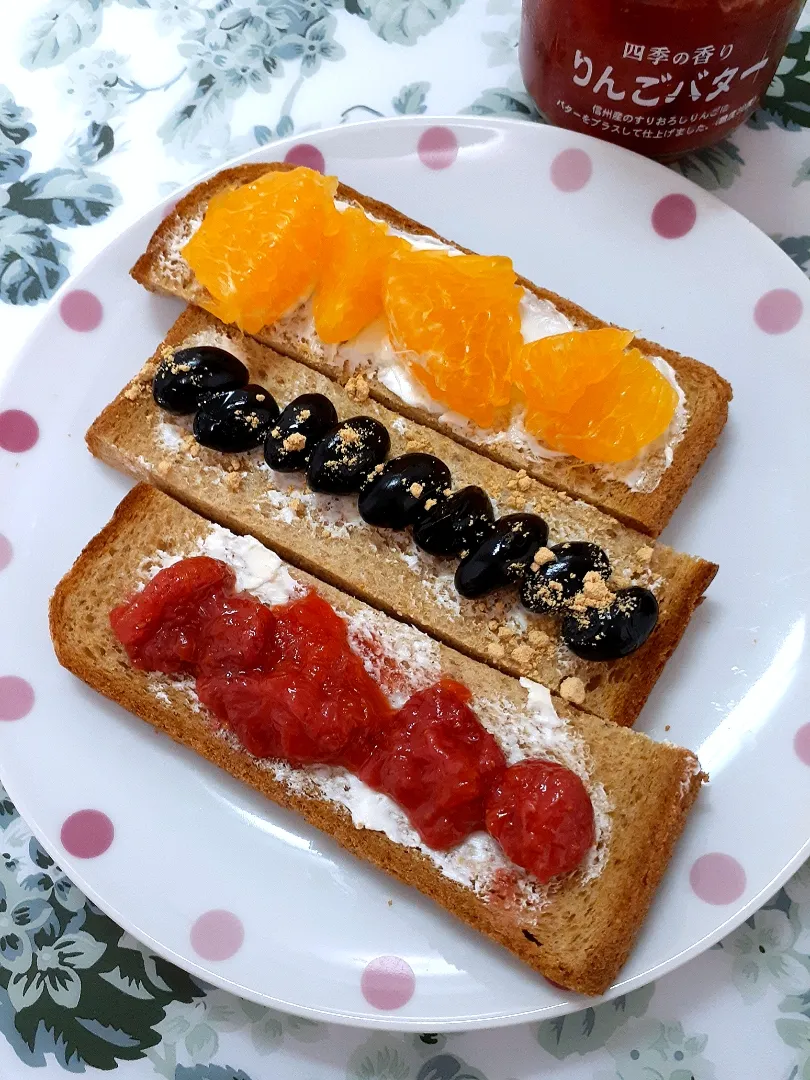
324, 534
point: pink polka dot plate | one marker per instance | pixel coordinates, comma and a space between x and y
243, 894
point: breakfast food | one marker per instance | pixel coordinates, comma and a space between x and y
187, 625
264, 445
453, 340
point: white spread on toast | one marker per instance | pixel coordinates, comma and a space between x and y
403, 660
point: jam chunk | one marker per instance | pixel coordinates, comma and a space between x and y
438, 763
160, 626
541, 815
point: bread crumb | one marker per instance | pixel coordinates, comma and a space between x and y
304, 414
644, 554
666, 727
415, 442
134, 391
357, 388
416, 490
162, 468
538, 638
190, 445
573, 689
542, 556
297, 507
429, 504
233, 481
296, 441
493, 625
595, 593
496, 651
524, 483
390, 903
349, 435
523, 654
505, 633
517, 501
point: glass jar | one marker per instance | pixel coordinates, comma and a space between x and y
661, 77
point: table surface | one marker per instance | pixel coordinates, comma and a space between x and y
105, 107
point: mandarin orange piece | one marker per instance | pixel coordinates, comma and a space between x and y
259, 248
349, 295
457, 320
556, 370
614, 417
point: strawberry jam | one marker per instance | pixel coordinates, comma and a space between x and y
287, 683
438, 763
541, 815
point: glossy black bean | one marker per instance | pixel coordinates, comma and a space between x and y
291, 441
186, 378
615, 631
396, 495
347, 454
456, 524
555, 582
503, 556
234, 421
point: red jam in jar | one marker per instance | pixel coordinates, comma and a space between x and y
287, 683
662, 77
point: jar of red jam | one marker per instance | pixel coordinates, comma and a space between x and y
661, 77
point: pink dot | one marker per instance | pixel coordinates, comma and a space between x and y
81, 310
307, 155
19, 431
388, 983
717, 878
87, 834
571, 170
778, 311
674, 216
6, 551
437, 148
217, 935
801, 743
16, 697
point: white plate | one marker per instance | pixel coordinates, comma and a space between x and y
189, 840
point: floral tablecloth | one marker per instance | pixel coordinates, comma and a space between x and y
107, 105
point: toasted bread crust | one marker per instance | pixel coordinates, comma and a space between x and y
367, 562
580, 940
707, 393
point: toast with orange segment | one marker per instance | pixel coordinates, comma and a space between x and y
680, 408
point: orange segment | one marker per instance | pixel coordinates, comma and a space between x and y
556, 369
610, 403
350, 293
258, 251
457, 319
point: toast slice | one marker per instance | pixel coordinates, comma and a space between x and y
630, 494
576, 931
326, 536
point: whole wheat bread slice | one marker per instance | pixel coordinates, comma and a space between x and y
580, 933
162, 269
382, 566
